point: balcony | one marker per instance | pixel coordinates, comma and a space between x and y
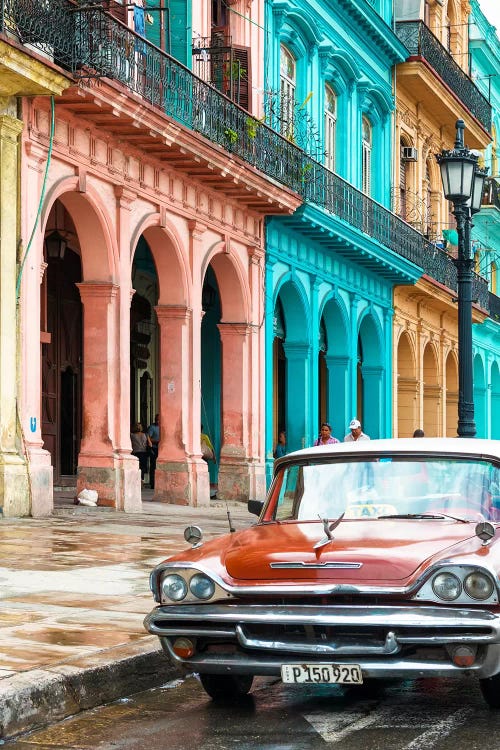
494, 306
423, 46
91, 44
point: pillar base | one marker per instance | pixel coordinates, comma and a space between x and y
14, 490
117, 487
241, 480
41, 477
182, 483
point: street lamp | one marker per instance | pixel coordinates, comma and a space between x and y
463, 183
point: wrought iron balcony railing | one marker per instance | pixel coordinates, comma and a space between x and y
494, 307
420, 41
89, 42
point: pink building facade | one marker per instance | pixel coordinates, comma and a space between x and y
108, 338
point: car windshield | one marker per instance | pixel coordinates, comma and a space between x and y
385, 486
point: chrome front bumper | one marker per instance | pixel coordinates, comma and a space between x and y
262, 637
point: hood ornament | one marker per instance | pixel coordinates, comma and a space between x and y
485, 531
328, 528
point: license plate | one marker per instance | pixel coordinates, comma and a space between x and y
343, 674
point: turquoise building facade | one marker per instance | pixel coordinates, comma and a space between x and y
329, 280
484, 47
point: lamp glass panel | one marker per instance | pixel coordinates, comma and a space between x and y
457, 178
477, 192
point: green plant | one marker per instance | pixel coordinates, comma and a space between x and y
234, 71
252, 126
305, 168
231, 135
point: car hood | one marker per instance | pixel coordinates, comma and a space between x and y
381, 551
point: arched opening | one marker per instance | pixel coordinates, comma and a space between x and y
144, 395
211, 371
407, 417
291, 373
334, 333
451, 395
61, 342
432, 392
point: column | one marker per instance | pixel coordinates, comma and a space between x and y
297, 395
176, 473
257, 375
14, 495
389, 384
234, 474
352, 407
338, 384
269, 367
128, 484
96, 462
313, 394
373, 382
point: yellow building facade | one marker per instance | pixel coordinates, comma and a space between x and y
432, 90
21, 74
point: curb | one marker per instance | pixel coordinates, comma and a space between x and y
39, 697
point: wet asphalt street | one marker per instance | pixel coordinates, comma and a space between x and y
419, 715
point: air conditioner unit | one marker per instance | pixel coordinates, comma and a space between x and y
409, 153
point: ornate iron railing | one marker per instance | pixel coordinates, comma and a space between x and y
494, 307
91, 43
419, 40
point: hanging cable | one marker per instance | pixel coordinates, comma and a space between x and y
42, 195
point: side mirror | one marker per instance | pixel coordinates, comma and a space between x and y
255, 507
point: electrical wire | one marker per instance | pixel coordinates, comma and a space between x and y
42, 195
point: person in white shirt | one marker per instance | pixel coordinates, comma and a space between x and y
355, 432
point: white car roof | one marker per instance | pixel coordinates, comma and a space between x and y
456, 446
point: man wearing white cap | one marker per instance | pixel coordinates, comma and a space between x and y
355, 432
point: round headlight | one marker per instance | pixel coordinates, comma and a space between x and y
478, 586
446, 586
201, 586
174, 587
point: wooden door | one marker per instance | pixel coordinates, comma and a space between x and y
62, 367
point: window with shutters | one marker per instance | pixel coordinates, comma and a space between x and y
288, 84
225, 66
118, 10
494, 278
366, 156
330, 127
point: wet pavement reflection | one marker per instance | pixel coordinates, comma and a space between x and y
76, 583
414, 715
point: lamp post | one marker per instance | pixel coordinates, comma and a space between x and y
463, 183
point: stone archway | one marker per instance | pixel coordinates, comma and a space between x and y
176, 477
235, 474
79, 339
432, 392
407, 387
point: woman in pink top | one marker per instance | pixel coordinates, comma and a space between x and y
325, 435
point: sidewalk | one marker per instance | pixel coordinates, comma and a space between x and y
74, 590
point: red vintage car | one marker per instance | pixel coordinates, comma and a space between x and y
377, 559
